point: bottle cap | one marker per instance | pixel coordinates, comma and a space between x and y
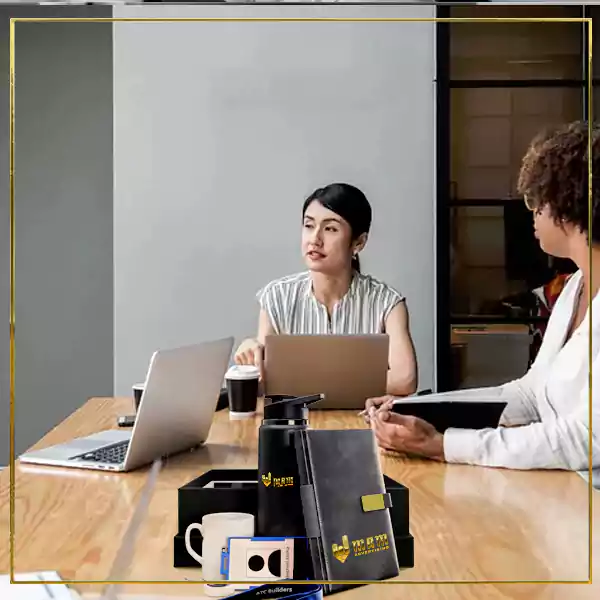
290, 408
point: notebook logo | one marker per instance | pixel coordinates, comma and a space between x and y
342, 552
361, 547
277, 482
376, 543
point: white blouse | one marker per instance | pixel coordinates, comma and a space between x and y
551, 402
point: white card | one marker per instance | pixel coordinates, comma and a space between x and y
260, 559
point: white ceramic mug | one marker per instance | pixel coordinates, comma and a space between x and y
216, 528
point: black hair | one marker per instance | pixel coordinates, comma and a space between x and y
349, 203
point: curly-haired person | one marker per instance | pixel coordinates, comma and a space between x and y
546, 423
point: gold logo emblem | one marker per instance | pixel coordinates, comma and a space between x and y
277, 482
342, 552
362, 547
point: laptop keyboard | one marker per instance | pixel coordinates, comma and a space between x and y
114, 454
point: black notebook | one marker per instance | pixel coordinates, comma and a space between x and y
446, 413
346, 507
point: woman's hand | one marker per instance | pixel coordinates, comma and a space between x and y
250, 352
403, 433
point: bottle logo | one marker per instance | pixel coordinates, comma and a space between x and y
277, 482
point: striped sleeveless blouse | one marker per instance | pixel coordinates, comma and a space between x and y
293, 309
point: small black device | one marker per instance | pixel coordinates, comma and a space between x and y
126, 421
223, 401
279, 503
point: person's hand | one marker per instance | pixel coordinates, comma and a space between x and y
381, 405
250, 352
411, 435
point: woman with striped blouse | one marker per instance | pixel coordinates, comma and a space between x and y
333, 296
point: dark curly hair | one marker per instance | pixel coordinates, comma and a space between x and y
555, 171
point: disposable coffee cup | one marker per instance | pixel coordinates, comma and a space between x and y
138, 388
242, 390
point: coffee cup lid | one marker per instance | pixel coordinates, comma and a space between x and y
241, 372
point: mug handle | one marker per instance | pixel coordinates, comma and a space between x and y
188, 545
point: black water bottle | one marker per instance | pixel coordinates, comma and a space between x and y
279, 502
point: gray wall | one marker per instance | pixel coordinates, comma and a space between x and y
208, 185
63, 216
221, 130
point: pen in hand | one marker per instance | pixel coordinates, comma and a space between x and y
373, 415
388, 404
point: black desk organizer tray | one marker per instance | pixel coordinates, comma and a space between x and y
194, 501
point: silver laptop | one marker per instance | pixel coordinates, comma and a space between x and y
175, 414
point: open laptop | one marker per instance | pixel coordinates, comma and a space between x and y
175, 414
347, 369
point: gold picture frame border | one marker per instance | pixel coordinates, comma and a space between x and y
14, 21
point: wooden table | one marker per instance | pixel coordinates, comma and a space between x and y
469, 523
